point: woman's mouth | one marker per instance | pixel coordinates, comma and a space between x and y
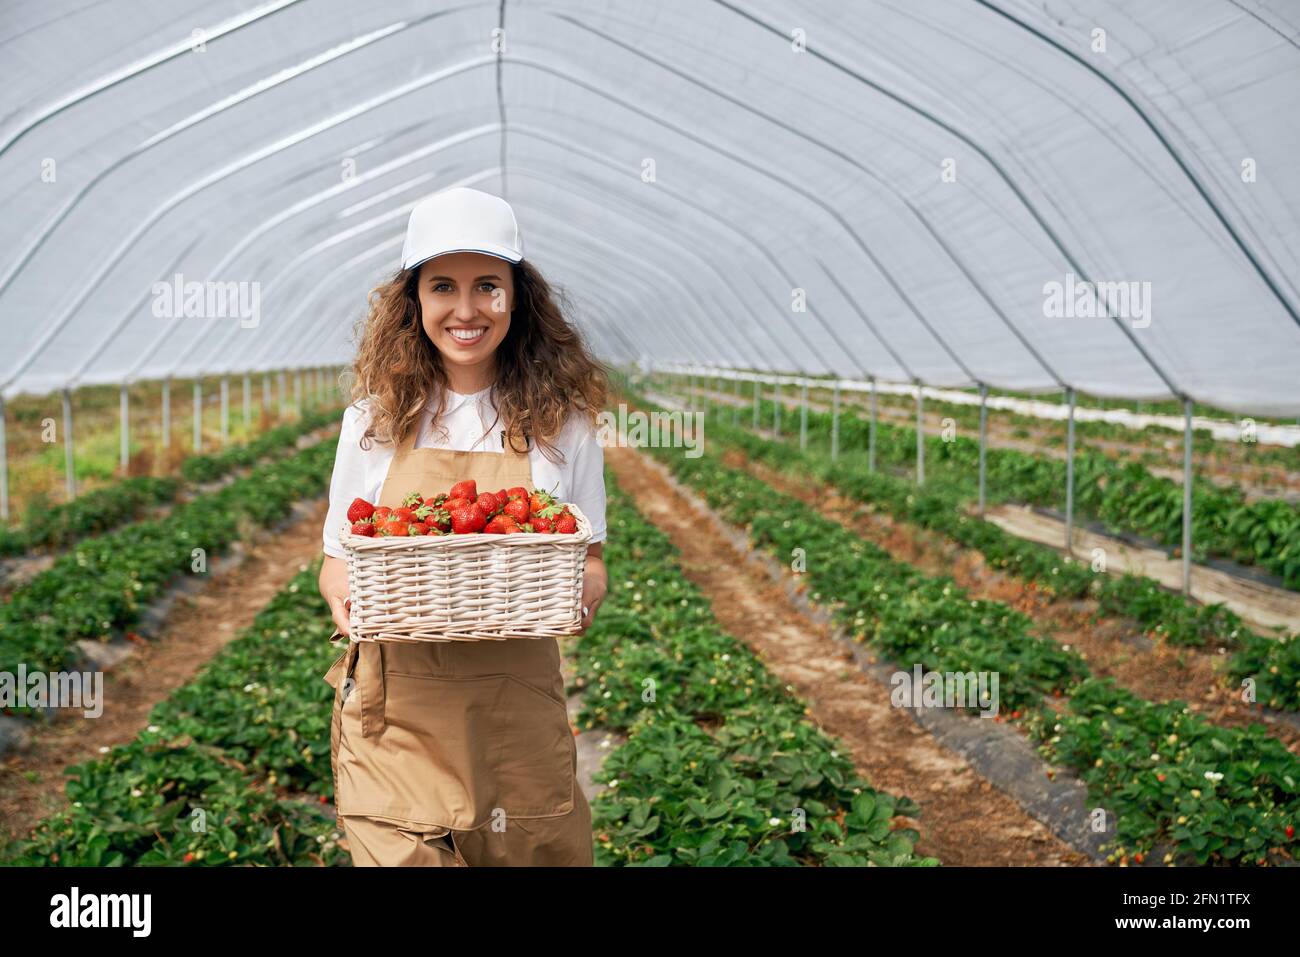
467, 335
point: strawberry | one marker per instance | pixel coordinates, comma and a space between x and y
404, 513
393, 528
363, 528
1290, 831
436, 500
501, 524
566, 524
489, 503
538, 501
412, 499
438, 518
542, 524
501, 494
360, 509
456, 502
517, 492
467, 520
466, 489
517, 508
381, 514
418, 528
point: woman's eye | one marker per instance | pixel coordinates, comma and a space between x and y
487, 286
439, 287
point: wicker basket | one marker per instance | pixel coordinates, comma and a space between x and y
466, 587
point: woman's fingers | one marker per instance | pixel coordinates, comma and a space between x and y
339, 612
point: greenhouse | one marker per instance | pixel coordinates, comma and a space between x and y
846, 372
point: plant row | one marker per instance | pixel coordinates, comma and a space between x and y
101, 584
1156, 437
105, 508
1273, 663
1171, 779
232, 769
1126, 497
721, 766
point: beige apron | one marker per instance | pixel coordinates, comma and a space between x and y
456, 753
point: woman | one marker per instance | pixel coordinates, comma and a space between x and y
460, 753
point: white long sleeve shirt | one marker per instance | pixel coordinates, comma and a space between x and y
360, 473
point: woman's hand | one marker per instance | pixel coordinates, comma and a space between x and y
595, 581
334, 589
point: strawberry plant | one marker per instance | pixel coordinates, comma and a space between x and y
218, 775
101, 585
721, 766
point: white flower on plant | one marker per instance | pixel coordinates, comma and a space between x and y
1213, 776
154, 727
773, 821
136, 792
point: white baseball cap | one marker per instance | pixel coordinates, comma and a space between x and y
461, 219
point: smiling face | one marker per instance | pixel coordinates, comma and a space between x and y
465, 303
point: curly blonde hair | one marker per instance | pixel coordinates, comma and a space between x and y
544, 369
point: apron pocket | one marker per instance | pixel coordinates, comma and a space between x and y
466, 751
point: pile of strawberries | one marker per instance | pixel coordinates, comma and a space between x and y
463, 511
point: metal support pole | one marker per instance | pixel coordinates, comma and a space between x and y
283, 388
1069, 474
69, 454
1187, 497
297, 393
124, 413
776, 409
758, 393
198, 415
167, 413
4, 465
690, 391
835, 420
984, 435
248, 408
225, 410
871, 430
803, 415
920, 437
735, 407
266, 393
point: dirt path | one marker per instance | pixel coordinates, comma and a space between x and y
964, 820
1113, 647
1264, 606
199, 626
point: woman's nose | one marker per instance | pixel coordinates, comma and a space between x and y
465, 307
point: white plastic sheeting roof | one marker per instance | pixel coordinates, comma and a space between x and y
680, 168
